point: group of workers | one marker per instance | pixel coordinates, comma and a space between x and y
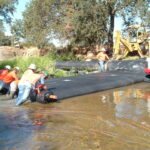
29, 81
10, 83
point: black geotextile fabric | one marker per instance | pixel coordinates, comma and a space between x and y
130, 65
77, 65
91, 83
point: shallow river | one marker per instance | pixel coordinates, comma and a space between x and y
117, 119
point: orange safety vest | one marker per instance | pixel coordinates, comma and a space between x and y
11, 76
3, 73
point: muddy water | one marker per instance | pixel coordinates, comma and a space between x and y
117, 119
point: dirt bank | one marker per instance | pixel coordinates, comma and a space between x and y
7, 52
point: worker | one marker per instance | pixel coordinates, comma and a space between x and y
10, 77
102, 57
13, 90
43, 76
27, 83
3, 73
38, 87
14, 85
43, 94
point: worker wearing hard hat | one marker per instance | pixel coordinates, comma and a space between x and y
10, 77
4, 72
102, 57
28, 82
14, 85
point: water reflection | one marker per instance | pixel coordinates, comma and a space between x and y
147, 97
116, 119
130, 104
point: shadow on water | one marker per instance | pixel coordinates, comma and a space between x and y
115, 119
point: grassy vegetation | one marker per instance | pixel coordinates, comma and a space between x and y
45, 63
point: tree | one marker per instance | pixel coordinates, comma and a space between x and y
2, 35
143, 8
64, 19
17, 30
89, 22
82, 22
7, 7
4, 40
38, 19
128, 10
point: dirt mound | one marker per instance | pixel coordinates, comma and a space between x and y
32, 51
7, 52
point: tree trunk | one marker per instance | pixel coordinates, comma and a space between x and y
111, 27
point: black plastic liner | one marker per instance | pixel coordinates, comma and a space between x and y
129, 65
120, 73
91, 83
78, 65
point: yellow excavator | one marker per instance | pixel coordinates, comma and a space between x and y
138, 41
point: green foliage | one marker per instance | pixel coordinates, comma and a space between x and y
62, 56
2, 35
7, 7
4, 40
81, 22
37, 22
43, 64
90, 23
17, 30
144, 11
134, 12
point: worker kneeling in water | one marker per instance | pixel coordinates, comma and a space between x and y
13, 90
3, 74
42, 94
27, 83
8, 79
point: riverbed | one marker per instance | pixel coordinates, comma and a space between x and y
117, 119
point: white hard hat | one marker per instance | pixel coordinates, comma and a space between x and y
103, 50
32, 66
17, 68
8, 67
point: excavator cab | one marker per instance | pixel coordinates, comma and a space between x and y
136, 34
141, 35
132, 35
